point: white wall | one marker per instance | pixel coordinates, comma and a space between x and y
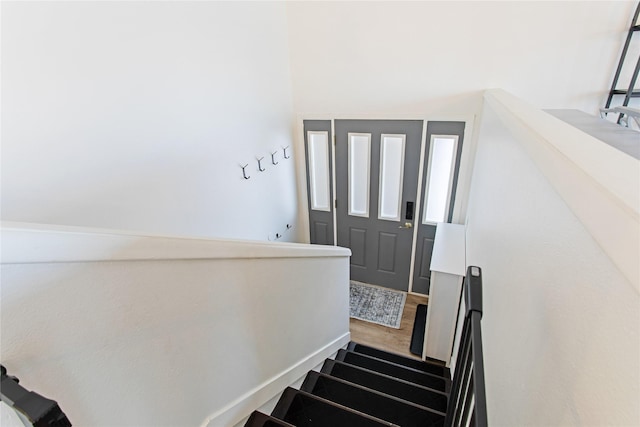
561, 329
136, 115
435, 58
150, 331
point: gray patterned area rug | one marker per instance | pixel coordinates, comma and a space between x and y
376, 304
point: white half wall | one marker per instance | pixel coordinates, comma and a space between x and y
561, 322
137, 115
126, 330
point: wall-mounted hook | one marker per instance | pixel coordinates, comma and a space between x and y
260, 168
289, 226
273, 158
278, 235
284, 151
244, 173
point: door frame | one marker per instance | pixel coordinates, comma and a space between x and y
463, 187
437, 131
381, 242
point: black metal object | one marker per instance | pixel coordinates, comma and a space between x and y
629, 93
32, 408
409, 211
467, 401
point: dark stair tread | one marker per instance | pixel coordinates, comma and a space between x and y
420, 365
374, 403
258, 419
395, 370
303, 409
399, 388
417, 334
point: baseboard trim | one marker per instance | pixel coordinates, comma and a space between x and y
240, 408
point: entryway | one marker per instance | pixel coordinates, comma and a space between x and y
389, 339
379, 187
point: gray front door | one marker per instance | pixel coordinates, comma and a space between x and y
377, 165
318, 149
440, 178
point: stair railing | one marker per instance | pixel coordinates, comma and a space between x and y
32, 409
631, 92
467, 401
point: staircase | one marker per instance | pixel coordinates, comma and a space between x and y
364, 386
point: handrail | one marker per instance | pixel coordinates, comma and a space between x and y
31, 407
467, 401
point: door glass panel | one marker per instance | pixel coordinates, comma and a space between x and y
359, 161
441, 167
319, 170
391, 174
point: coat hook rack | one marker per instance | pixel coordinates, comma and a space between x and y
273, 158
244, 173
284, 151
260, 168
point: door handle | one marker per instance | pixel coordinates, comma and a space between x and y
406, 225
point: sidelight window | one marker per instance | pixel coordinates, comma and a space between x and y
442, 157
318, 144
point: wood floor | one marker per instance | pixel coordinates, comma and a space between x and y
389, 339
